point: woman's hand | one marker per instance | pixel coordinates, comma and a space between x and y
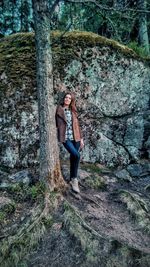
81, 143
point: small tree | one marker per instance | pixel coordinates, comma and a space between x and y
49, 155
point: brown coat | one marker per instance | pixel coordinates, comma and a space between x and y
61, 125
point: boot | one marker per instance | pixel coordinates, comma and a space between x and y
75, 185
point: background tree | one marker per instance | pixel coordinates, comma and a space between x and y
15, 16
26, 14
49, 154
123, 20
143, 30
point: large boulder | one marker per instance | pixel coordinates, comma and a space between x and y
111, 85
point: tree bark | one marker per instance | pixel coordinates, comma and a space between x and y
143, 31
49, 154
26, 15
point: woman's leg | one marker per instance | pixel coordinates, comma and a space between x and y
73, 148
74, 161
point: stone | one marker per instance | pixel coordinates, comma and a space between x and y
3, 175
139, 170
146, 168
4, 202
135, 170
23, 177
4, 185
123, 175
112, 100
133, 137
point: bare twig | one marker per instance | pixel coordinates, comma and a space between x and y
62, 34
103, 7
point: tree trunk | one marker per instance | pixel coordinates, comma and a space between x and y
26, 16
143, 32
49, 154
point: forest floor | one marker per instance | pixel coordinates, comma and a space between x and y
107, 224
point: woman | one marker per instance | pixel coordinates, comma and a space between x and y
69, 134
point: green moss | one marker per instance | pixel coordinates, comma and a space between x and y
91, 168
137, 207
17, 54
22, 192
117, 254
17, 57
65, 47
48, 221
16, 247
139, 50
83, 39
96, 182
74, 223
37, 191
13, 251
9, 208
2, 217
6, 211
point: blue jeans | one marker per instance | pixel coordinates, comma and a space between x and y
73, 148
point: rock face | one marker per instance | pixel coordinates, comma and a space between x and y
112, 89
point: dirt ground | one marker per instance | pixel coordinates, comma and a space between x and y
101, 207
103, 211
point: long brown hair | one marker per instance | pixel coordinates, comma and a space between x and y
72, 104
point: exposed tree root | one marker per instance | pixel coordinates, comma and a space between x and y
18, 245
99, 250
86, 197
83, 223
44, 213
138, 208
81, 195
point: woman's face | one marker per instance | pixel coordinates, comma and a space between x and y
67, 100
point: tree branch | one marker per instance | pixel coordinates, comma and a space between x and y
62, 34
121, 10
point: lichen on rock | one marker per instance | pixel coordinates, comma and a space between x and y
111, 84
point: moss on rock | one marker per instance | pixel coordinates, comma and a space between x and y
17, 53
17, 57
